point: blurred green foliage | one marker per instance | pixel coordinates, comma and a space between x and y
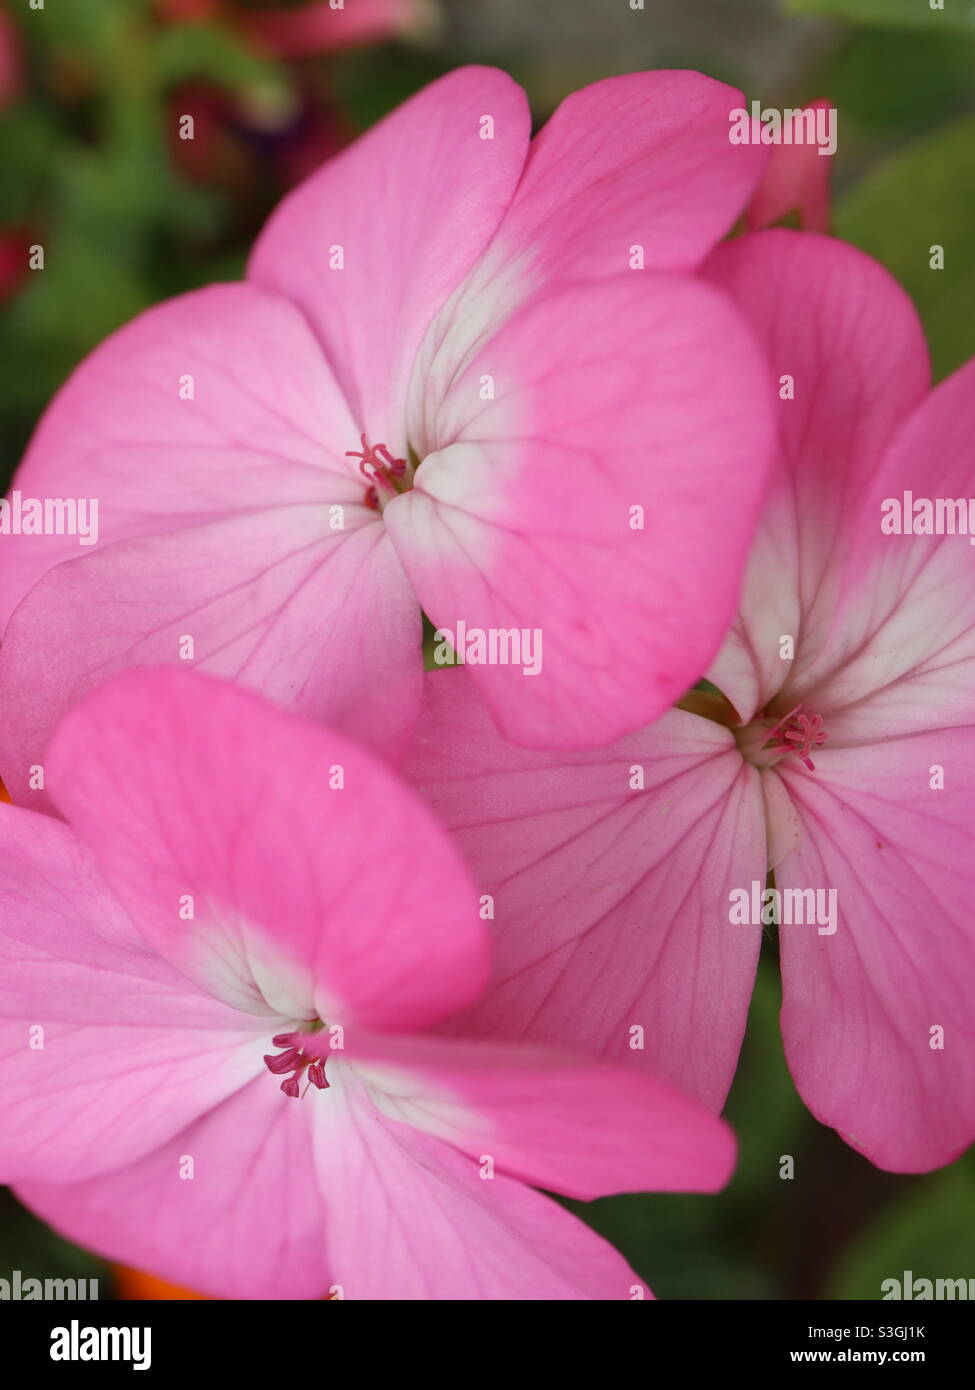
890, 84
930, 1232
915, 14
93, 172
34, 1249
88, 171
921, 198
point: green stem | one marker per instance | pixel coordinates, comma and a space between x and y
710, 705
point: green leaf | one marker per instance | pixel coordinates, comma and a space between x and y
922, 197
931, 1233
689, 1246
33, 1248
670, 1240
28, 145
915, 14
81, 296
206, 52
892, 85
764, 1108
372, 83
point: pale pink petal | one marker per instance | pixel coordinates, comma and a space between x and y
604, 498
611, 905
796, 179
229, 1207
836, 323
323, 622
554, 1120
861, 1006
409, 1218
901, 658
105, 1050
265, 427
319, 884
411, 207
256, 531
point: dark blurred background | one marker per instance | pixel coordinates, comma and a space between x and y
93, 170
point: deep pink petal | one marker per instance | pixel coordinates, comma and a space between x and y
640, 160
606, 494
610, 904
310, 897
412, 205
860, 1005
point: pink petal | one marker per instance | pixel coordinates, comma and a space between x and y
639, 160
266, 428
296, 1200
902, 659
322, 622
409, 1218
257, 530
554, 1120
246, 1221
796, 179
841, 327
105, 1050
412, 204
639, 392
611, 905
860, 1005
310, 898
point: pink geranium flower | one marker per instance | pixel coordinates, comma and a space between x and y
219, 983
838, 751
443, 386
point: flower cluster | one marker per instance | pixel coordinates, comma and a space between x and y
318, 964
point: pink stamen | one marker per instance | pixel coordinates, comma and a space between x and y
799, 733
294, 1060
379, 468
284, 1061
